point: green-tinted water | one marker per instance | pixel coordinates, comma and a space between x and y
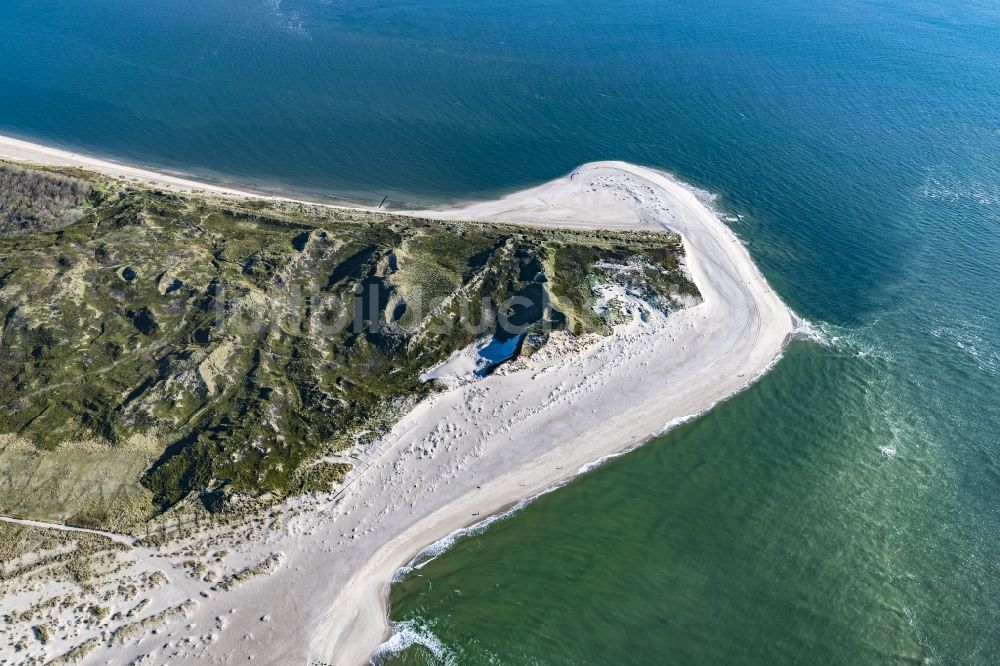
844, 509
771, 531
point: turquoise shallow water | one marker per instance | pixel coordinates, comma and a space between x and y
843, 510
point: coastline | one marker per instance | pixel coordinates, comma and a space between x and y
709, 245
15, 149
509, 437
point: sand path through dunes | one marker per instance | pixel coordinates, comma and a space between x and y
113, 536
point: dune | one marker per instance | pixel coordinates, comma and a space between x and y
481, 447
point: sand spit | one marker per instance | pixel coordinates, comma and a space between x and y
479, 448
514, 436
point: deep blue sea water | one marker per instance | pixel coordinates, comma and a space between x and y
845, 509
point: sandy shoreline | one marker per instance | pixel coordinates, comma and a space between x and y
25, 151
476, 450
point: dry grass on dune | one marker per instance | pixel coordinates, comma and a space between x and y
33, 200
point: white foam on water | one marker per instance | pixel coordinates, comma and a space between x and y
445, 543
406, 634
968, 338
600, 461
806, 330
859, 342
942, 184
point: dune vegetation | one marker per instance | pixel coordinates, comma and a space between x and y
157, 347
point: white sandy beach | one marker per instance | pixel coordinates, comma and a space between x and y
479, 448
25, 151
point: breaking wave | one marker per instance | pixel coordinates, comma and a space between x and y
406, 634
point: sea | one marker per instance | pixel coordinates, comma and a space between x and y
843, 510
